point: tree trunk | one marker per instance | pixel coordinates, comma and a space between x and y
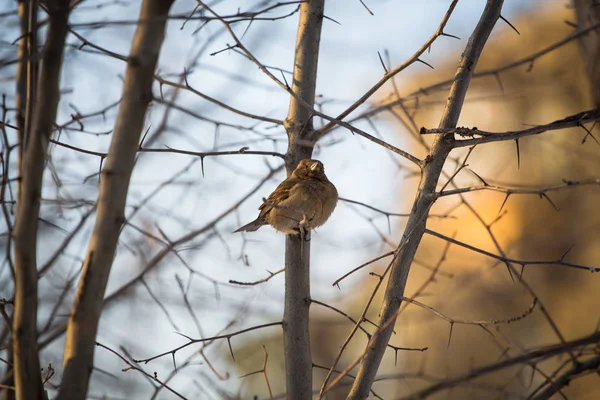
137, 94
28, 383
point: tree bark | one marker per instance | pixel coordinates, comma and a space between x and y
115, 177
299, 127
21, 100
28, 383
415, 227
26, 71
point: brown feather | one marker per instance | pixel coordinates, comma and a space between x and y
306, 193
251, 226
281, 193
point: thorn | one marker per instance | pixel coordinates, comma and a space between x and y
230, 349
530, 66
522, 271
509, 24
162, 233
185, 336
366, 8
382, 63
571, 24
287, 85
497, 76
512, 278
185, 78
549, 200
247, 29
479, 177
202, 164
331, 19
421, 61
148, 130
504, 202
449, 35
518, 154
566, 252
588, 133
450, 334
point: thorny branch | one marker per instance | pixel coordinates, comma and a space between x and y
390, 74
529, 356
480, 74
577, 120
416, 224
520, 190
132, 366
507, 260
191, 341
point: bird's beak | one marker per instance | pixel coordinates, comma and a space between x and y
314, 166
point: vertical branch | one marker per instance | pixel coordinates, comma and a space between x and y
299, 127
25, 77
588, 14
298, 123
415, 227
28, 384
137, 94
296, 338
27, 36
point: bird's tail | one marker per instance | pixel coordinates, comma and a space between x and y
250, 227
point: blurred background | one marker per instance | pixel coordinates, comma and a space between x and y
157, 297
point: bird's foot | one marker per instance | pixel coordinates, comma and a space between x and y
304, 229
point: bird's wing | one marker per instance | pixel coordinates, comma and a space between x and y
281, 193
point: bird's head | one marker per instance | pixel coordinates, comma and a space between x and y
310, 169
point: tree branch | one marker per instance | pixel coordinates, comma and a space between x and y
563, 380
540, 191
156, 260
571, 121
534, 355
191, 341
560, 261
491, 72
390, 74
415, 226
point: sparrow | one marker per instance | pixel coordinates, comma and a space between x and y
306, 196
